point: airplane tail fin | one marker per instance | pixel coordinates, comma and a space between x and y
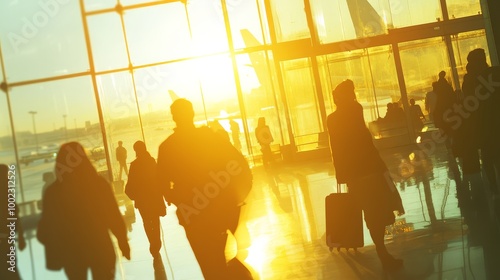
173, 95
366, 20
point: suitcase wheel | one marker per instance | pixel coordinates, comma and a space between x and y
338, 249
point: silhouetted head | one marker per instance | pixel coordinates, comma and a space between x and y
261, 121
389, 105
477, 55
182, 112
72, 164
412, 101
442, 74
344, 93
120, 143
140, 148
476, 60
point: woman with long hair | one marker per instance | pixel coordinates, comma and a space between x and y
79, 209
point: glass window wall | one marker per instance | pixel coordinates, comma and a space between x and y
463, 43
57, 112
261, 98
463, 8
7, 155
290, 21
93, 5
207, 27
339, 20
302, 103
422, 61
250, 16
47, 36
407, 12
157, 33
121, 116
107, 42
373, 73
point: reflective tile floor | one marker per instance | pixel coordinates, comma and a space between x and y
282, 229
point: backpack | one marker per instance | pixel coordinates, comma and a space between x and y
233, 164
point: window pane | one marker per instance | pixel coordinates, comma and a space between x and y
342, 20
245, 15
47, 36
121, 118
302, 103
157, 87
157, 33
373, 73
108, 44
57, 112
6, 142
422, 61
383, 84
407, 13
261, 98
92, 5
463, 43
207, 26
463, 8
289, 20
218, 93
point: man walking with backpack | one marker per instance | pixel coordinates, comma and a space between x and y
208, 179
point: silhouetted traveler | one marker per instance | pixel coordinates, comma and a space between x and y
390, 113
210, 182
417, 116
142, 187
265, 138
445, 98
486, 81
121, 157
359, 165
466, 140
79, 210
11, 230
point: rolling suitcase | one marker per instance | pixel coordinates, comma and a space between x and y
344, 221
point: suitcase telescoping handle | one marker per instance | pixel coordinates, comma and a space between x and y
339, 188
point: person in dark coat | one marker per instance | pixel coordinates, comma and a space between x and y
204, 174
479, 74
79, 210
142, 187
445, 98
359, 165
466, 140
265, 138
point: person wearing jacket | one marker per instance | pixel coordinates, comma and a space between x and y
79, 210
359, 165
142, 187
